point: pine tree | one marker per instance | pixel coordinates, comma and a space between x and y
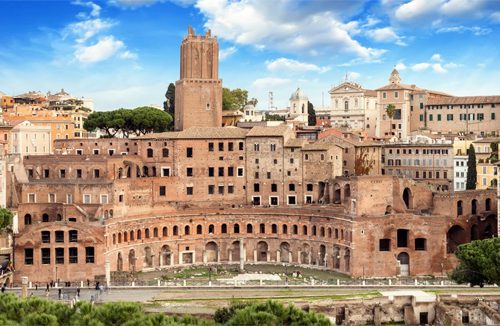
471, 169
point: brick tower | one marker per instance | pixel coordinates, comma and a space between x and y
198, 92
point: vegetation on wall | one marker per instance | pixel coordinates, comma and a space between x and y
5, 219
234, 99
362, 163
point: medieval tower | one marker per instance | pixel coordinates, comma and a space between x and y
198, 92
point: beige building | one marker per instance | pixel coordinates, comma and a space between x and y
28, 139
353, 107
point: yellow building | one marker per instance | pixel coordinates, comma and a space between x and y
487, 175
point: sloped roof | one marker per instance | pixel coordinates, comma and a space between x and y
200, 133
464, 100
399, 86
263, 131
295, 142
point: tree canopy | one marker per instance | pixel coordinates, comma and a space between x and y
234, 99
6, 217
471, 169
390, 110
311, 114
37, 311
138, 121
479, 262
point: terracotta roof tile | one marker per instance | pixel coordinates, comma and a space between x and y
463, 100
261, 131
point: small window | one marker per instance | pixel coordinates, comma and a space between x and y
420, 244
78, 173
384, 245
73, 236
59, 236
309, 187
221, 146
221, 171
291, 187
262, 228
189, 152
211, 189
240, 172
45, 255
189, 191
89, 255
62, 173
223, 228
274, 187
256, 187
59, 255
163, 190
240, 146
230, 147
73, 255
210, 147
28, 256
189, 172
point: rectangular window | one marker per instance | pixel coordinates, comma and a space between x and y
31, 198
163, 190
189, 152
46, 173
45, 255
230, 146
274, 187
430, 117
256, 175
256, 147
89, 255
309, 187
221, 171
28, 256
273, 147
384, 245
59, 236
211, 189
291, 187
420, 244
240, 146
230, 171
62, 173
274, 201
87, 199
78, 173
73, 255
104, 199
59, 255
240, 172
221, 147
69, 198
52, 198
439, 117
256, 187
221, 190
45, 236
493, 116
189, 191
230, 189
210, 147
96, 173
402, 238
189, 172
211, 171
73, 236
292, 200
165, 172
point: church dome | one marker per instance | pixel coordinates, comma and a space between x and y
298, 95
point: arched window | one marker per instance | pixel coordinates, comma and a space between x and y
249, 228
223, 228
45, 217
132, 236
473, 208
211, 229
199, 229
27, 219
150, 152
187, 230
346, 106
139, 234
155, 232
322, 232
146, 233
314, 230
304, 230
164, 231
119, 238
125, 236
236, 228
114, 238
295, 229
284, 228
274, 228
487, 204
460, 209
176, 230
262, 227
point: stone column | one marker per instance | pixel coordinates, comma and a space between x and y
268, 258
218, 255
205, 257
107, 268
290, 260
242, 255
230, 255
255, 255
299, 257
278, 256
309, 258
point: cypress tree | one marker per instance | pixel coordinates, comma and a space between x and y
471, 169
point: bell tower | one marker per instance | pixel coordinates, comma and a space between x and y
198, 92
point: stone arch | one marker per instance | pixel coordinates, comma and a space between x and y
490, 227
474, 232
460, 208
347, 260
119, 262
262, 251
45, 217
139, 234
322, 255
336, 257
347, 191
211, 229
408, 198
487, 204
304, 229
166, 256
249, 228
337, 197
285, 252
305, 254
211, 252
119, 237
132, 235
131, 260
235, 251
236, 228
27, 219
455, 237
473, 207
125, 236
404, 263
148, 257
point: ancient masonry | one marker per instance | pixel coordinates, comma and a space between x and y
208, 195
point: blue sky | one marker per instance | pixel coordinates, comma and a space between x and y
124, 53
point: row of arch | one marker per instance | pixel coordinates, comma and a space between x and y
474, 206
335, 257
478, 230
295, 229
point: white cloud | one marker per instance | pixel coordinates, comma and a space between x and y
353, 75
461, 7
416, 9
128, 55
495, 16
284, 64
86, 29
420, 66
270, 82
438, 68
386, 34
400, 66
371, 21
227, 52
279, 26
105, 48
476, 30
436, 57
141, 3
95, 9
